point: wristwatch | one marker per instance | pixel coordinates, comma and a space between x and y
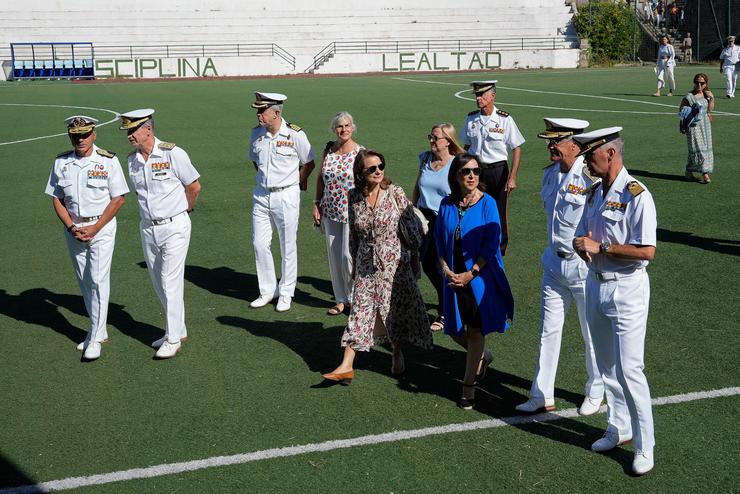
604, 247
475, 272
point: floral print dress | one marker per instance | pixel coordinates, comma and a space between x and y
699, 138
336, 171
384, 283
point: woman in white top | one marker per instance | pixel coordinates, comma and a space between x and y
664, 66
330, 208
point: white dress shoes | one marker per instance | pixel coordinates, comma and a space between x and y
534, 405
262, 300
158, 343
81, 346
283, 304
168, 350
610, 440
92, 351
589, 406
643, 462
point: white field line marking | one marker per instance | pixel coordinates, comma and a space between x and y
388, 437
624, 100
58, 106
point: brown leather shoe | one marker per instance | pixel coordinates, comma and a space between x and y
340, 377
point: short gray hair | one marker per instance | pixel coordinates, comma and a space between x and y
618, 145
277, 108
149, 123
342, 115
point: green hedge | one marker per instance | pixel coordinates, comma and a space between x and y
609, 28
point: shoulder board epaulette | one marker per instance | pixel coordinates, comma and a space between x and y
474, 112
105, 153
169, 146
502, 113
635, 188
295, 127
64, 153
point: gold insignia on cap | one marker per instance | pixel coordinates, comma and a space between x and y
80, 126
131, 123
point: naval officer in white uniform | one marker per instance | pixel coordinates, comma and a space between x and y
565, 186
87, 188
490, 134
284, 159
167, 186
617, 238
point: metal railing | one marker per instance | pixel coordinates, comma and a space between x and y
185, 51
415, 45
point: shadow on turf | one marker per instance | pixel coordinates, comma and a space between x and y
722, 246
11, 475
436, 372
243, 286
40, 306
661, 176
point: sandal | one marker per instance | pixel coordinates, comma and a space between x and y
336, 310
438, 324
705, 179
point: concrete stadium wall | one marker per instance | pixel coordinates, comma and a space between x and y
301, 28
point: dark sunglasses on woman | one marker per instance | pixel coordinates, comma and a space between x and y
372, 169
467, 171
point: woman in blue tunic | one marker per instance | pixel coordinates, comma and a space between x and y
477, 296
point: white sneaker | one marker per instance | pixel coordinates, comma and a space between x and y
262, 300
589, 406
168, 350
534, 405
81, 346
92, 351
643, 462
283, 304
158, 343
610, 440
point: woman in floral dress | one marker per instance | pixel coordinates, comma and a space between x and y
699, 136
330, 208
386, 302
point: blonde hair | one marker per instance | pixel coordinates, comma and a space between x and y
449, 133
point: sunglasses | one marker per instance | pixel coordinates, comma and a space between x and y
372, 169
701, 83
79, 137
464, 172
433, 138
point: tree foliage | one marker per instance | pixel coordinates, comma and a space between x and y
609, 27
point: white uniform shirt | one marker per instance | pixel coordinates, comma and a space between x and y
160, 181
620, 218
490, 137
730, 54
564, 197
278, 157
86, 185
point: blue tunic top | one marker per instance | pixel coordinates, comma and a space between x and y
480, 231
433, 185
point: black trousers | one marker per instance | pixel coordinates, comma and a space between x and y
430, 258
494, 176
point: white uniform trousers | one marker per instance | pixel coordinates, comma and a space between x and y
665, 76
730, 73
92, 261
340, 259
617, 313
278, 210
165, 249
563, 282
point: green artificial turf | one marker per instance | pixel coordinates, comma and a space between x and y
245, 379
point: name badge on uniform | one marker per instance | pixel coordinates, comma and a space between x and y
285, 143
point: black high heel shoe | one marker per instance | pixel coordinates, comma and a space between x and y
467, 403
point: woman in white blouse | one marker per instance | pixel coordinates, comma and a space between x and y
664, 66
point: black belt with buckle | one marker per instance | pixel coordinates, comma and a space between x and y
164, 221
493, 165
